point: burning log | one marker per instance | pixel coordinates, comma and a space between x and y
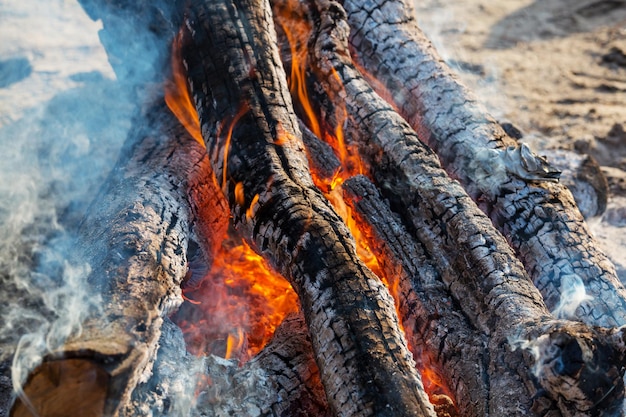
436, 326
440, 337
466, 301
253, 139
135, 238
440, 334
538, 216
475, 261
281, 380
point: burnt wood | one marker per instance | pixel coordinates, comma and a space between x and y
474, 259
252, 138
442, 336
539, 218
135, 238
517, 358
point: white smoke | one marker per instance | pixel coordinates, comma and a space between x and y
63, 120
573, 294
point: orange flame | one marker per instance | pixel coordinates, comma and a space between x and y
243, 109
239, 196
297, 38
177, 95
298, 32
234, 343
351, 164
434, 382
241, 302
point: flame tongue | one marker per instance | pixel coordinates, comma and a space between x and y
238, 305
177, 95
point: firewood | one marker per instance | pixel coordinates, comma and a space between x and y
253, 139
282, 380
135, 239
538, 217
434, 322
474, 259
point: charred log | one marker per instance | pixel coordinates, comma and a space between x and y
538, 217
282, 380
253, 138
135, 239
442, 338
474, 260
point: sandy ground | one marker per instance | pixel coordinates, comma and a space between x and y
556, 70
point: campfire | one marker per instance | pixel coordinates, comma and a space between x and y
312, 216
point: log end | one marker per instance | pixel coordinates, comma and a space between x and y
64, 387
582, 369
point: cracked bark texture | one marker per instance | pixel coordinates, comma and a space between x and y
281, 381
252, 137
473, 258
540, 219
442, 337
135, 238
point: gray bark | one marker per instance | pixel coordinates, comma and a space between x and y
135, 239
539, 218
474, 259
440, 334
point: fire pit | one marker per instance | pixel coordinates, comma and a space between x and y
307, 221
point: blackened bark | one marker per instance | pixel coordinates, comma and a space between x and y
240, 87
435, 323
135, 238
441, 336
540, 219
473, 258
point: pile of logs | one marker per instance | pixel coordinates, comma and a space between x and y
500, 289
